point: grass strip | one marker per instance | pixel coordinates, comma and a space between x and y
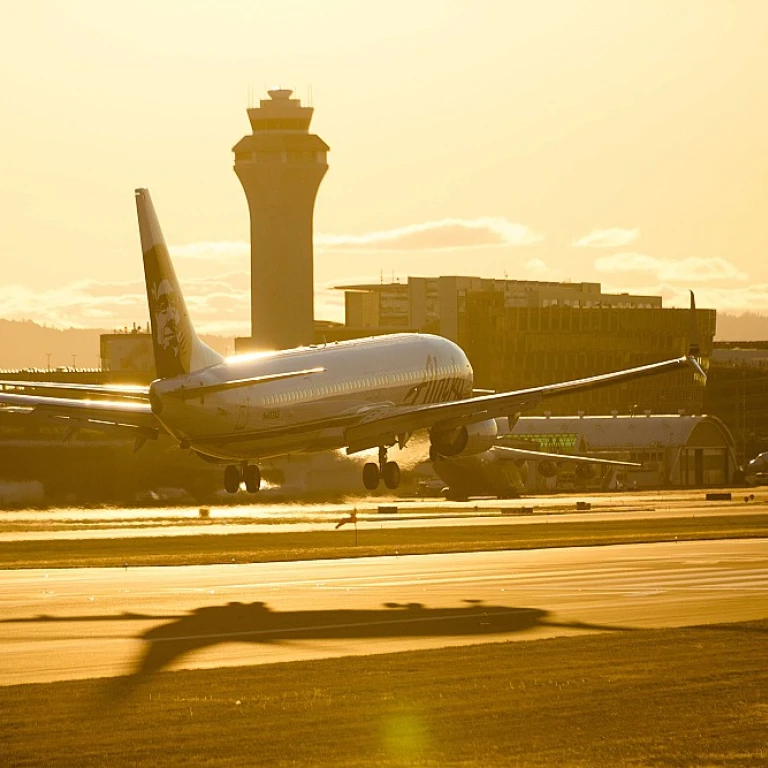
373, 540
672, 697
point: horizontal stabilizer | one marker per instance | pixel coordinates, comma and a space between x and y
129, 391
122, 413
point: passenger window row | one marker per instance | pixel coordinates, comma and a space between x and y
360, 385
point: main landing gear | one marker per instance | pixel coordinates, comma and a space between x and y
247, 473
388, 471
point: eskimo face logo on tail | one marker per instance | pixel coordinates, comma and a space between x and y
171, 345
167, 315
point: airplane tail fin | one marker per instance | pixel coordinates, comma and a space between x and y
177, 348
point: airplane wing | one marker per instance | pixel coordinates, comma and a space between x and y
135, 391
127, 413
383, 426
521, 454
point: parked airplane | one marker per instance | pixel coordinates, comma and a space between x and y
358, 395
756, 471
501, 471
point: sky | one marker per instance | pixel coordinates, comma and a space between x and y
612, 141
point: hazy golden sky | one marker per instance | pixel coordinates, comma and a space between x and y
592, 140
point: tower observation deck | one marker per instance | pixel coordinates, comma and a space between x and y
280, 167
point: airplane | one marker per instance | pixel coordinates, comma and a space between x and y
501, 471
756, 471
370, 393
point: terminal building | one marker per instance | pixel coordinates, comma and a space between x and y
439, 304
737, 391
520, 334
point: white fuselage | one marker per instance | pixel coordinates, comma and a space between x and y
309, 412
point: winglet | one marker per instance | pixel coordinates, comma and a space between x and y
694, 348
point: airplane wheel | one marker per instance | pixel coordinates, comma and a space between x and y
252, 478
371, 476
232, 478
391, 475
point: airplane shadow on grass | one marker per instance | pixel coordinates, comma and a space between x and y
258, 623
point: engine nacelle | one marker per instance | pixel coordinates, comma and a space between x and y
547, 468
464, 441
585, 471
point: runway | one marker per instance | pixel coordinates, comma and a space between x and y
72, 624
131, 523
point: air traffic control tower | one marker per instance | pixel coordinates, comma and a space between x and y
280, 167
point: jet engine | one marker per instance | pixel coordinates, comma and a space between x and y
470, 440
585, 471
547, 468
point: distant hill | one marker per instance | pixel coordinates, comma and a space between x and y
24, 344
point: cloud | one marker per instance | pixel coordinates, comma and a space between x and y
448, 234
225, 250
689, 270
536, 269
329, 303
222, 306
735, 300
219, 306
751, 298
607, 238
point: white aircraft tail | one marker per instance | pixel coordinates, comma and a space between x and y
177, 348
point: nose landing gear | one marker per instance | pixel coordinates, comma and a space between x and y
248, 474
388, 471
